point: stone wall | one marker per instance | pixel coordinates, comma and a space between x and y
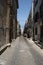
2, 22
8, 21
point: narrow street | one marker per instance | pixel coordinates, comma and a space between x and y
23, 51
21, 32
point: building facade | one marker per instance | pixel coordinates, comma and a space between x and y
18, 29
3, 11
38, 21
28, 26
8, 21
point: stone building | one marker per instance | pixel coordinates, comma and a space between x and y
8, 20
38, 20
28, 26
18, 29
15, 19
25, 30
3, 11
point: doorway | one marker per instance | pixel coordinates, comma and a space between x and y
41, 33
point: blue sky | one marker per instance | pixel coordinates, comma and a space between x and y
23, 11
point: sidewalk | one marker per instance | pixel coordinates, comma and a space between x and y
33, 44
5, 57
4, 47
37, 43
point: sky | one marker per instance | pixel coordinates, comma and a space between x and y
23, 11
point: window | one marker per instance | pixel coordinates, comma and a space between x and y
35, 31
37, 17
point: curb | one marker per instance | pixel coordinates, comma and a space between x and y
3, 48
37, 43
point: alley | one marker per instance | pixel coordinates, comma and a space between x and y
23, 51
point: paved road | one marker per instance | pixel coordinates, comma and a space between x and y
22, 52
